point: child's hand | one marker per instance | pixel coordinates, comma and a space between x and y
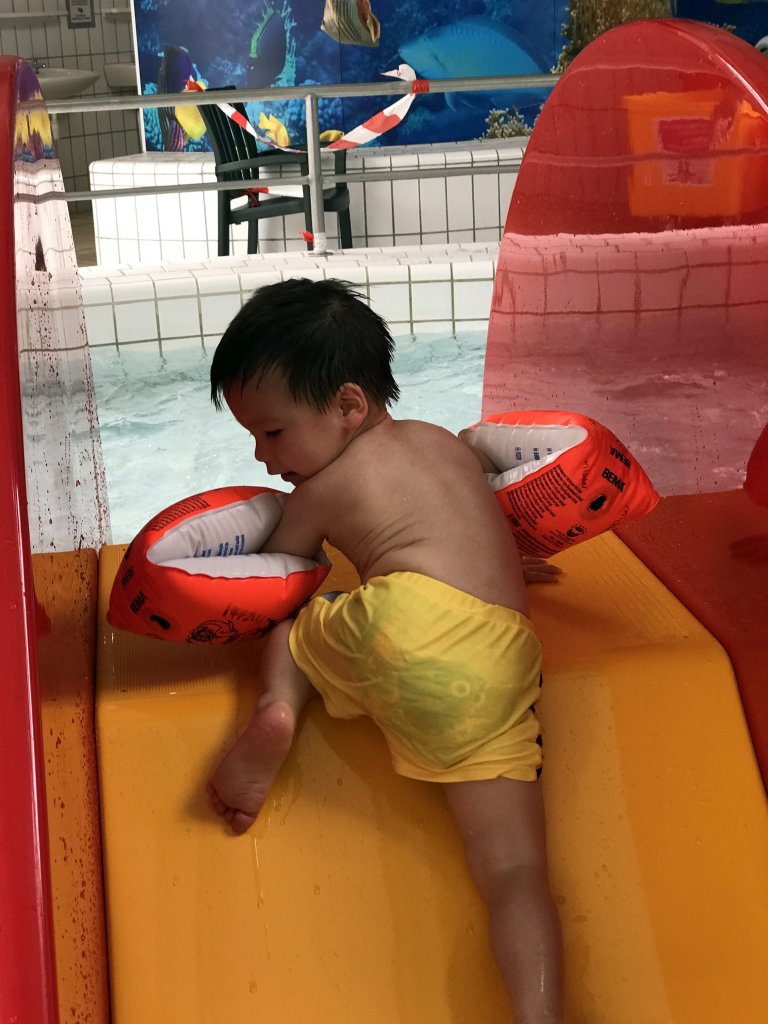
539, 570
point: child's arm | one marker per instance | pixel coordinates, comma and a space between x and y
535, 570
298, 532
488, 465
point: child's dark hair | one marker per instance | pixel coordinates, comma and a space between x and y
318, 335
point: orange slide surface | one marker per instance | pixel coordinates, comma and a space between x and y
349, 899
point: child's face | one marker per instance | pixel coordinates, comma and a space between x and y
293, 439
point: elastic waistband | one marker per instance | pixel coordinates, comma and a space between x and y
437, 592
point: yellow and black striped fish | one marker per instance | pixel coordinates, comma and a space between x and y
351, 21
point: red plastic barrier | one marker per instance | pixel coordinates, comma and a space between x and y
631, 287
656, 125
27, 966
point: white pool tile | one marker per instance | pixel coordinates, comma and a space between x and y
391, 301
175, 284
96, 289
467, 270
433, 327
171, 345
378, 211
467, 235
487, 234
128, 250
348, 272
179, 318
432, 300
431, 271
407, 214
472, 299
433, 204
100, 325
195, 249
486, 203
104, 219
142, 346
471, 325
136, 287
460, 212
125, 218
192, 210
217, 311
216, 282
250, 280
151, 250
136, 321
387, 272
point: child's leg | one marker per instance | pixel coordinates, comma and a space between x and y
241, 782
502, 825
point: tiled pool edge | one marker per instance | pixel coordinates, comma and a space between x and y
410, 211
424, 289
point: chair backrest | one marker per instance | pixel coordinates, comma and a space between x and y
228, 140
232, 145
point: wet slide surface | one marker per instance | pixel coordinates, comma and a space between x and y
349, 900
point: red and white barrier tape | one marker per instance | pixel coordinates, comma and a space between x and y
369, 130
366, 132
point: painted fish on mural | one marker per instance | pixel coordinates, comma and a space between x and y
269, 46
182, 122
471, 48
274, 129
351, 21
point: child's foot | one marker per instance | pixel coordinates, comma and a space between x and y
240, 784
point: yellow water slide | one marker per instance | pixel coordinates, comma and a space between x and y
349, 899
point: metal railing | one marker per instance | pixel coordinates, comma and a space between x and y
315, 178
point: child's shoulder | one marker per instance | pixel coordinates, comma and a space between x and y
422, 428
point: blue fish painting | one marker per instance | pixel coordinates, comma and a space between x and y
268, 50
469, 48
176, 68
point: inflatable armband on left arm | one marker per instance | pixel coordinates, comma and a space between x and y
563, 477
196, 573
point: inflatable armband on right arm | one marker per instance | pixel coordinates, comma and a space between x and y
563, 477
196, 573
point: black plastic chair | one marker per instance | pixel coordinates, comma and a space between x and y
239, 158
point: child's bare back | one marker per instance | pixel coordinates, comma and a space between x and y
409, 496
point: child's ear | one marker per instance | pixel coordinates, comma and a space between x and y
353, 405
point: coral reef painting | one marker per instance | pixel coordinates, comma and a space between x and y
258, 44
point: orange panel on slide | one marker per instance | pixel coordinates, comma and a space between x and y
66, 586
349, 900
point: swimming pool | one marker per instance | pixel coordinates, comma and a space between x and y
163, 440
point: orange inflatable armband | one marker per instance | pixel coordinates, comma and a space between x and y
195, 573
563, 477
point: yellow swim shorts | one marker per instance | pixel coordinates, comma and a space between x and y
450, 680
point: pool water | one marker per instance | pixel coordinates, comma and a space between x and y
163, 440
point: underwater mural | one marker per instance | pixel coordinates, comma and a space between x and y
257, 44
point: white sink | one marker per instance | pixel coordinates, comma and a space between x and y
121, 76
61, 83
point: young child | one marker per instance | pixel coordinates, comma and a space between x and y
435, 645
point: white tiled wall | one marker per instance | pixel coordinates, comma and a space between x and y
426, 211
38, 30
424, 289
